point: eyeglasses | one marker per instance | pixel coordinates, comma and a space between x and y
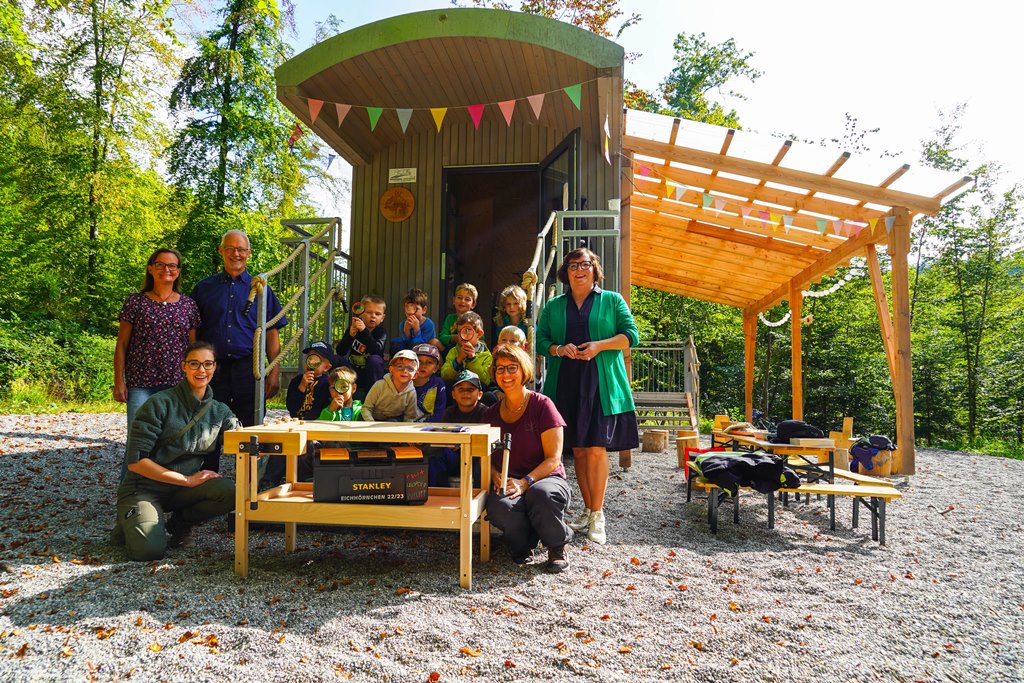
510, 369
205, 365
404, 368
169, 267
581, 265
236, 250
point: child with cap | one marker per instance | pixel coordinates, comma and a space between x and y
431, 393
466, 409
394, 397
308, 393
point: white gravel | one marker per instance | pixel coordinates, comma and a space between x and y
664, 600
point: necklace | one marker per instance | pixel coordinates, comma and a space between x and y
162, 301
515, 413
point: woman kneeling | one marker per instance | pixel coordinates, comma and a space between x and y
165, 492
536, 492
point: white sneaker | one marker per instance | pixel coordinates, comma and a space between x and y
581, 522
596, 532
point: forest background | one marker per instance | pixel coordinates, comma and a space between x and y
121, 132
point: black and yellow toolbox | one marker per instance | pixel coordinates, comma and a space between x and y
370, 474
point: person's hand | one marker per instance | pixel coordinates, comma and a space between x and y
120, 392
588, 350
273, 385
515, 487
568, 351
202, 476
413, 324
356, 327
466, 350
307, 379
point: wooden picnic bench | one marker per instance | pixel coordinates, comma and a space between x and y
872, 497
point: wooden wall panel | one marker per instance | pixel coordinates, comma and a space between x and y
389, 258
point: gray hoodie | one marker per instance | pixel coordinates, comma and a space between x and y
385, 402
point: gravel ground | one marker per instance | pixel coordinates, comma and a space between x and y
664, 600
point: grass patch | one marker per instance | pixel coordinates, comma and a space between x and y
986, 446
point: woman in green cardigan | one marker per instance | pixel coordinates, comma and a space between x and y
584, 333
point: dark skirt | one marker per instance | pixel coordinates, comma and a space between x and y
579, 402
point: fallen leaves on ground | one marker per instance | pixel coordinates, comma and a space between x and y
470, 652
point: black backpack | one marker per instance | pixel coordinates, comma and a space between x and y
795, 429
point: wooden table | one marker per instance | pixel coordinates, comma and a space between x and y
292, 502
822, 455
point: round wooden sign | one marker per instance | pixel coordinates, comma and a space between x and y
397, 204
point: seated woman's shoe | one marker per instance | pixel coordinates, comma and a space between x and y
596, 530
179, 532
557, 562
581, 522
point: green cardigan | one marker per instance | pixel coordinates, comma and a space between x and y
609, 316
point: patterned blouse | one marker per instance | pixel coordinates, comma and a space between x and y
158, 341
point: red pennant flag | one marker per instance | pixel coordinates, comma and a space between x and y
536, 101
343, 110
476, 111
314, 109
296, 134
507, 107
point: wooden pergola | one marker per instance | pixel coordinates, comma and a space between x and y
733, 218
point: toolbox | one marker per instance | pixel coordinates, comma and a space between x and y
372, 474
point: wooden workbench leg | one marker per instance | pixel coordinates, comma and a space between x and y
465, 524
290, 472
485, 526
241, 506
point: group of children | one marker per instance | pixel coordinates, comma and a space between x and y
355, 383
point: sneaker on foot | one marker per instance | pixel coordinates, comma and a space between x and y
179, 532
596, 531
524, 559
557, 563
581, 522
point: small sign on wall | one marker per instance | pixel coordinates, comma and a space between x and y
401, 175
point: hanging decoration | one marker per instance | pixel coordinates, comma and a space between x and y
856, 270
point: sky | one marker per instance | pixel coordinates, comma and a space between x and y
893, 65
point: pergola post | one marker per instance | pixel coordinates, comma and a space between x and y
626, 264
796, 300
899, 249
749, 340
882, 307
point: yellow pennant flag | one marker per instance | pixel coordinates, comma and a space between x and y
872, 222
438, 114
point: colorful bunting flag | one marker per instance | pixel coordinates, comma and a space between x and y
719, 204
314, 109
574, 91
872, 223
889, 222
536, 102
680, 191
330, 160
707, 200
403, 117
822, 226
509, 106
787, 222
476, 112
374, 114
645, 170
296, 134
837, 227
343, 110
438, 114
745, 212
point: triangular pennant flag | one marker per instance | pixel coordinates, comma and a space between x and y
645, 170
573, 91
343, 110
607, 141
314, 109
872, 223
745, 211
764, 215
707, 200
889, 221
330, 160
837, 227
774, 218
296, 134
855, 229
374, 114
438, 114
507, 107
403, 117
476, 112
536, 102
787, 222
822, 226
719, 204
680, 191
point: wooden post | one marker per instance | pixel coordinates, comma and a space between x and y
749, 341
882, 306
625, 262
796, 301
899, 249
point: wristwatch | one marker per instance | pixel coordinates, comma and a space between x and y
529, 481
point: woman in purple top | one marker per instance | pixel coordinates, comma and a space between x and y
536, 492
156, 326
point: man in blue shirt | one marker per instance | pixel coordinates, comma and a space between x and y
226, 324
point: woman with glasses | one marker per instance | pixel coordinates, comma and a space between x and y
156, 325
584, 333
166, 490
536, 494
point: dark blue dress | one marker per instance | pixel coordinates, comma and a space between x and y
579, 394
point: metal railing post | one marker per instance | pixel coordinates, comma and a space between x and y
304, 300
261, 353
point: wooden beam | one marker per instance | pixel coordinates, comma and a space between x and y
703, 264
851, 247
749, 341
899, 249
882, 307
955, 187
757, 169
796, 299
681, 288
